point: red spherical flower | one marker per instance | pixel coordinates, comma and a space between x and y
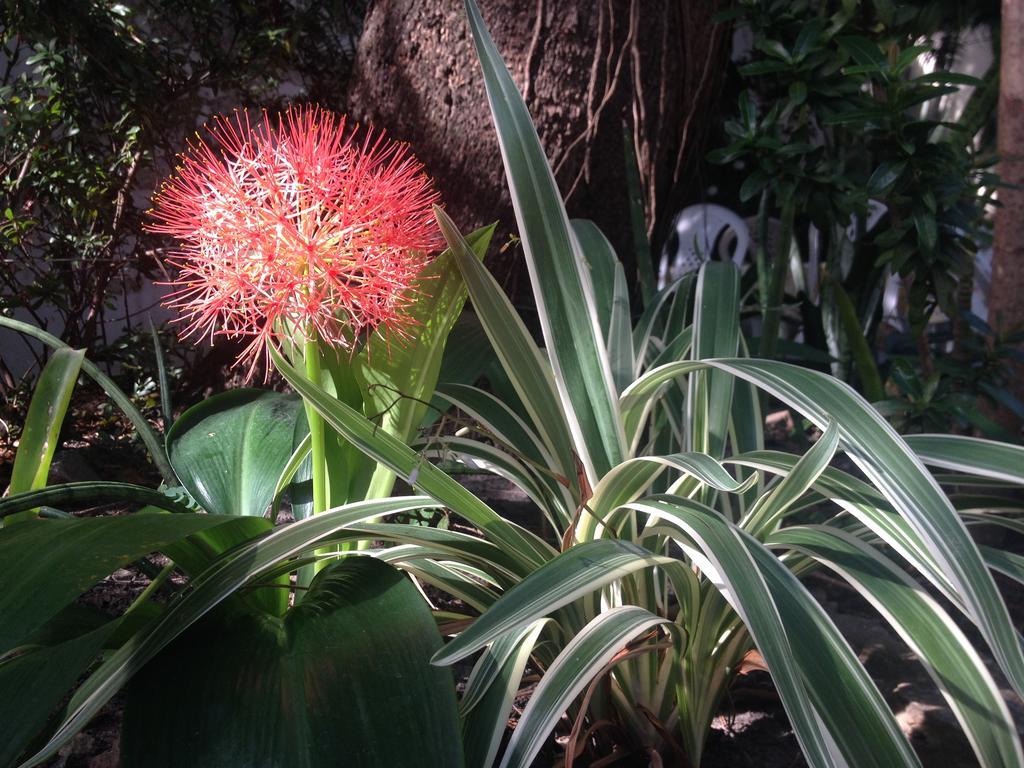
291, 226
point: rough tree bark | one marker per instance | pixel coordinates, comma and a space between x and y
586, 67
1006, 301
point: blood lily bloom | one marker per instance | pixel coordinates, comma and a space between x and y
289, 225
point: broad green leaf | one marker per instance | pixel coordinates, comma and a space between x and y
43, 421
561, 280
255, 561
973, 455
344, 673
585, 656
884, 176
864, 51
48, 673
146, 432
940, 645
578, 571
46, 564
230, 449
416, 470
948, 78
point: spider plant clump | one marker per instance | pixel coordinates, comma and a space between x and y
680, 539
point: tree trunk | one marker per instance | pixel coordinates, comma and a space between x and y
586, 68
1006, 300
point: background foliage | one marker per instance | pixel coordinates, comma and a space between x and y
97, 97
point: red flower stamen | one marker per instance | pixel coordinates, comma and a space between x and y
291, 224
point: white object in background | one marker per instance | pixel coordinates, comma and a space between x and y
698, 228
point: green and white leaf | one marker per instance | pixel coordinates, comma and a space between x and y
582, 659
558, 270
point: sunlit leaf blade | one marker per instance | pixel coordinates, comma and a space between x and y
501, 565
600, 260
345, 672
866, 505
146, 433
491, 691
397, 376
163, 380
631, 479
715, 334
796, 483
422, 563
415, 469
892, 467
44, 418
1007, 563
293, 478
944, 650
507, 429
561, 281
651, 322
972, 455
527, 370
494, 460
230, 449
611, 296
722, 556
578, 571
858, 720
621, 355
579, 662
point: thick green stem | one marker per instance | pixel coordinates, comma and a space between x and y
318, 454
772, 303
152, 587
311, 352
